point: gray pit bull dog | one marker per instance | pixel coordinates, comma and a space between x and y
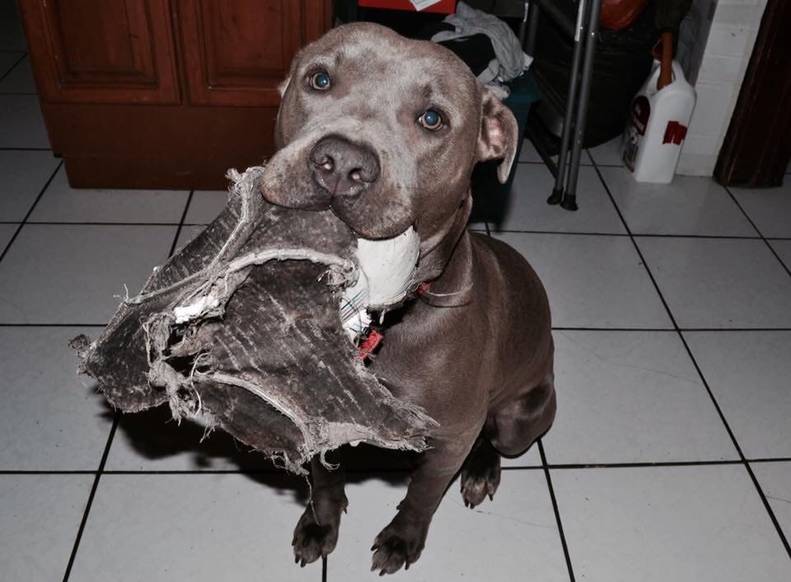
385, 131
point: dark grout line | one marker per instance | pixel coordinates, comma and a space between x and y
626, 234
755, 226
12, 67
181, 224
398, 470
91, 497
670, 329
30, 211
646, 465
770, 460
618, 329
556, 510
702, 377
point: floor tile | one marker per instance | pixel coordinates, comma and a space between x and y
51, 419
40, 515
783, 249
205, 206
769, 208
608, 153
529, 153
6, 232
654, 524
775, 480
528, 208
7, 61
191, 527
592, 281
512, 537
710, 283
61, 203
531, 458
22, 122
749, 372
19, 80
688, 206
631, 397
76, 274
23, 175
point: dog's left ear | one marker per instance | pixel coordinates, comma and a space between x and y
498, 134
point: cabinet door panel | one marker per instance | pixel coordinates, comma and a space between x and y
102, 52
237, 52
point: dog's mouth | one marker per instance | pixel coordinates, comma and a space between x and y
330, 171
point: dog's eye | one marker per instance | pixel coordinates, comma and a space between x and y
320, 81
430, 119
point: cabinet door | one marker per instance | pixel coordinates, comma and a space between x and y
99, 51
237, 52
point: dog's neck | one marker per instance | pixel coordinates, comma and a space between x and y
446, 269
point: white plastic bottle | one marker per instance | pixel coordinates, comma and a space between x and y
657, 127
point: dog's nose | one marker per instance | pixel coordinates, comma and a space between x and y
343, 168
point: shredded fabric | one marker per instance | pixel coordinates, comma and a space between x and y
510, 60
243, 330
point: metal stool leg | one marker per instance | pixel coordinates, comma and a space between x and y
568, 121
569, 201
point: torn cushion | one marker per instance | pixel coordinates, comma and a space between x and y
241, 330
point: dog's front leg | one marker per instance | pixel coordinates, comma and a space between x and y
401, 542
317, 530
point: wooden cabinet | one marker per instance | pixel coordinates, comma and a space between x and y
164, 93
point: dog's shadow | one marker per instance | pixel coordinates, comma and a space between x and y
153, 435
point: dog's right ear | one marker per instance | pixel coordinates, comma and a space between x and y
281, 88
498, 134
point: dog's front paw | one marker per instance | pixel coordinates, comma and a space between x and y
397, 546
313, 540
480, 478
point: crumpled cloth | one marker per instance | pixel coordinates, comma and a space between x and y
510, 60
241, 330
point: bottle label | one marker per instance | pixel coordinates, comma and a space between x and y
675, 133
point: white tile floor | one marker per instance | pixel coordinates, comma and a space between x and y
670, 458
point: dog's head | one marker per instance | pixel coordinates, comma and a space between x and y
385, 131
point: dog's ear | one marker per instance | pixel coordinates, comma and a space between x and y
281, 88
498, 134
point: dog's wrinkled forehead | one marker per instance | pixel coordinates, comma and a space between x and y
389, 68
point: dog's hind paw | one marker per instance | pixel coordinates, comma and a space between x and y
480, 478
312, 540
